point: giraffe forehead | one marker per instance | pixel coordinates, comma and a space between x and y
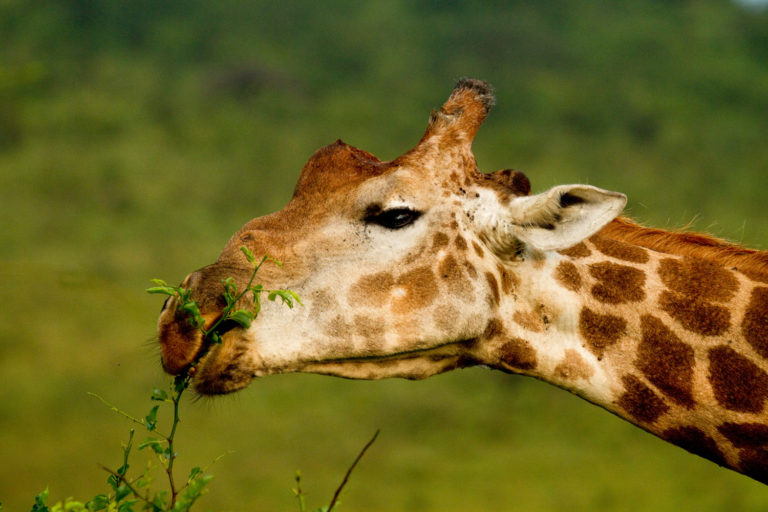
341, 168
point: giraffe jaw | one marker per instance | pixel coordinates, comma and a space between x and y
229, 367
412, 364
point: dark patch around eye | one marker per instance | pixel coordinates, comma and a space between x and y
394, 218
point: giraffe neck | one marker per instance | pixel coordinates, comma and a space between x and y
673, 343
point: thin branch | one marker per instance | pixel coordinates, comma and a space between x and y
349, 471
124, 414
171, 453
128, 484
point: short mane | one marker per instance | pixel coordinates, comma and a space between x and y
750, 262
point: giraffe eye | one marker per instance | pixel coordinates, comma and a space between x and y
394, 218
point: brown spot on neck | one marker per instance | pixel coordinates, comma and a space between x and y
600, 331
698, 278
695, 441
666, 361
640, 402
694, 314
579, 250
754, 463
738, 383
617, 284
517, 354
745, 435
755, 324
568, 275
620, 250
573, 367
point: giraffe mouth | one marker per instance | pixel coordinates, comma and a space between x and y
184, 347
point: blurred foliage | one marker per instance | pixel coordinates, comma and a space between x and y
136, 137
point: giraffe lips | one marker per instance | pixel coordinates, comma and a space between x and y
183, 347
179, 352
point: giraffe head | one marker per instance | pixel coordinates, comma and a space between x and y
402, 265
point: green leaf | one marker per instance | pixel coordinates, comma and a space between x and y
242, 317
285, 295
157, 445
161, 499
127, 506
162, 290
122, 492
113, 482
195, 471
159, 394
151, 419
192, 308
99, 502
192, 492
72, 505
295, 296
180, 383
41, 502
230, 290
257, 302
248, 254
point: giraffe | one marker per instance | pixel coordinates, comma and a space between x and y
423, 264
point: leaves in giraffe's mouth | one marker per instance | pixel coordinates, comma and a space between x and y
213, 328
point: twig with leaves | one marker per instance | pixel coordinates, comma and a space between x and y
128, 493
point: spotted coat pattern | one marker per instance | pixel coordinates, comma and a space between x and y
671, 336
683, 341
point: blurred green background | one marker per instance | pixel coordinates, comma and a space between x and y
137, 136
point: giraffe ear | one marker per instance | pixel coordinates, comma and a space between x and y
559, 218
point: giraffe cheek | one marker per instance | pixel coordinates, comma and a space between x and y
416, 289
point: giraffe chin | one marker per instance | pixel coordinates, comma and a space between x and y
227, 367
413, 367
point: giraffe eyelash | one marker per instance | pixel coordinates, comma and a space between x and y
393, 218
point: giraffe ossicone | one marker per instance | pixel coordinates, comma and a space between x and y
423, 264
